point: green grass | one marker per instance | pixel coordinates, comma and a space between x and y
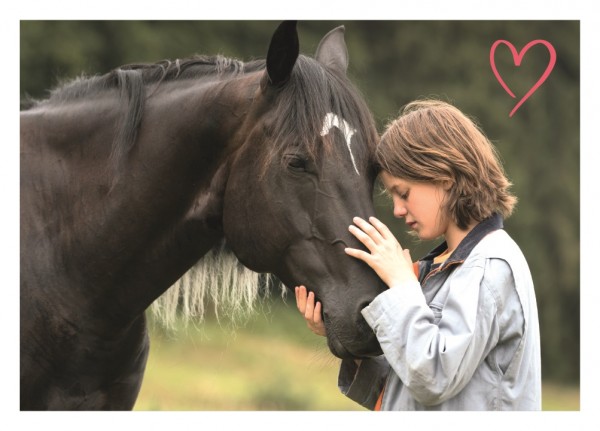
559, 397
273, 362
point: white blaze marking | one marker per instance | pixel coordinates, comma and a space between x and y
332, 120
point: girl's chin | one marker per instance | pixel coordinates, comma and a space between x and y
423, 236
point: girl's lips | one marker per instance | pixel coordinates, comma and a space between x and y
411, 224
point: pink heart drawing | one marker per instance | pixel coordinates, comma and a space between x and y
517, 58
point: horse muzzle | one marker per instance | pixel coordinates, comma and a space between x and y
357, 342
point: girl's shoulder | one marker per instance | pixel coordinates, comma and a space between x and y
502, 259
497, 245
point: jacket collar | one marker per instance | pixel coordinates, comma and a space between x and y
468, 243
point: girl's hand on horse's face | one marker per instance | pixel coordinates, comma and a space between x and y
392, 264
311, 311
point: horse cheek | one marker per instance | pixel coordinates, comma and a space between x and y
247, 226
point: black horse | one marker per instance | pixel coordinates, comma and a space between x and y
129, 178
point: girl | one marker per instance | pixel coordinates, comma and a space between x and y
460, 330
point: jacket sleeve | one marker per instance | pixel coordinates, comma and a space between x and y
436, 359
363, 384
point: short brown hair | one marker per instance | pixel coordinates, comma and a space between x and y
433, 141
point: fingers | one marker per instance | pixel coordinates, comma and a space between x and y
317, 319
309, 312
305, 301
383, 230
375, 236
362, 237
371, 233
385, 254
359, 254
365, 232
301, 294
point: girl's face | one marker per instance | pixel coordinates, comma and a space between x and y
420, 204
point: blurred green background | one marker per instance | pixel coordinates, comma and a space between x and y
273, 362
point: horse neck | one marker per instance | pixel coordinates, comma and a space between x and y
138, 232
187, 179
202, 118
181, 246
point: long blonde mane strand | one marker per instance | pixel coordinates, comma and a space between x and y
218, 278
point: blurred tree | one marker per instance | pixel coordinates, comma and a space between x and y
394, 62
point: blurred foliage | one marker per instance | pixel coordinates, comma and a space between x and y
394, 62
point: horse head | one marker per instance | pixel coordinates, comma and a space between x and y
303, 171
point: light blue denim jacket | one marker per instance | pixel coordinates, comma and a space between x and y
466, 337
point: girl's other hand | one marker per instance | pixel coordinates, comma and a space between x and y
305, 301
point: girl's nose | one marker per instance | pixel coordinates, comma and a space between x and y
399, 210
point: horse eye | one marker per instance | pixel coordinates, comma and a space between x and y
297, 164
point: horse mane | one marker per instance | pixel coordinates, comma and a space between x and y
127, 78
131, 82
218, 278
310, 88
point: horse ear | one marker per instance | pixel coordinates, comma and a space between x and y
332, 51
282, 54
